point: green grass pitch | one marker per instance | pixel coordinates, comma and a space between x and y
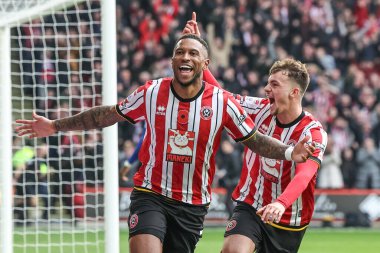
315, 241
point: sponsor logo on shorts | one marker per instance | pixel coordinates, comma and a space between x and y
231, 225
133, 221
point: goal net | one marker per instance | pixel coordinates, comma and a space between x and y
56, 71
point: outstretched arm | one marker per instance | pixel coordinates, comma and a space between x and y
97, 117
272, 148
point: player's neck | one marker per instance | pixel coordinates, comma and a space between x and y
187, 91
290, 115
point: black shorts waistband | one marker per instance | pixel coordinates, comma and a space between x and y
164, 198
276, 225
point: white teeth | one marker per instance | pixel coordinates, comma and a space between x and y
185, 68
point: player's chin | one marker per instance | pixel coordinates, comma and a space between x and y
273, 110
187, 81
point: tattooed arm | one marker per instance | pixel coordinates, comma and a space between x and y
97, 117
272, 148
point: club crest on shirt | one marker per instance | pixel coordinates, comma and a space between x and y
133, 220
180, 146
206, 112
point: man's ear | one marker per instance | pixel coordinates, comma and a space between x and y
295, 91
207, 62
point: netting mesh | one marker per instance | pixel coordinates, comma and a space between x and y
56, 71
18, 5
8, 8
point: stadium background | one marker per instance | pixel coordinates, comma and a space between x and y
338, 40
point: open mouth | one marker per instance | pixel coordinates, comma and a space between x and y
271, 100
185, 69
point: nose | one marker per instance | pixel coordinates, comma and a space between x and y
186, 56
267, 87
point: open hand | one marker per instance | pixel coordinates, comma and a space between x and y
302, 150
39, 126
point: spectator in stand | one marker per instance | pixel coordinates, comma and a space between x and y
330, 176
368, 159
131, 163
32, 186
349, 167
20, 157
229, 161
222, 43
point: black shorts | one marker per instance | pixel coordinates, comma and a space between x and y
178, 225
267, 238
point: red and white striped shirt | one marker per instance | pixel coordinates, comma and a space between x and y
263, 180
182, 137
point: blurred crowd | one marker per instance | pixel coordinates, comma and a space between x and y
338, 40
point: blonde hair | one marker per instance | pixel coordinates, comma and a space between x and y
295, 70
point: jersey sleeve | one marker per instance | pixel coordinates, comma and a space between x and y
252, 105
304, 174
238, 125
306, 171
132, 108
319, 138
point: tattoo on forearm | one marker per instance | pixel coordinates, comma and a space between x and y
97, 117
267, 146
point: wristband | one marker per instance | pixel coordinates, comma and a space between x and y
288, 153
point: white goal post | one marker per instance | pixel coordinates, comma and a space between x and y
13, 14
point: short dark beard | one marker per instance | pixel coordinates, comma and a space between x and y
196, 76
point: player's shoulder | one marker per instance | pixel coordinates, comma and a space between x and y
253, 100
165, 81
213, 90
162, 81
213, 87
312, 121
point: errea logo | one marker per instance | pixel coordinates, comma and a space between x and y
263, 128
161, 110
